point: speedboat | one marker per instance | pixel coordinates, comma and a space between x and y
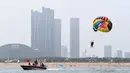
33, 67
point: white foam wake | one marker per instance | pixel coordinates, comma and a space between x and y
55, 69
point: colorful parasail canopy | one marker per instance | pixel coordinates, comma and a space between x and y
102, 24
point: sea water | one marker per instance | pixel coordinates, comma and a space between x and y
81, 69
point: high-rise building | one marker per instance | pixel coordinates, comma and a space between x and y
64, 51
46, 31
34, 29
107, 51
74, 38
127, 54
43, 32
119, 53
57, 38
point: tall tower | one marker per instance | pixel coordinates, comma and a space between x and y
46, 31
108, 51
74, 38
34, 29
57, 38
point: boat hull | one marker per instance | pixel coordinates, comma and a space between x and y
33, 67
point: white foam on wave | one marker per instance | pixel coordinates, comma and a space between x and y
64, 68
56, 69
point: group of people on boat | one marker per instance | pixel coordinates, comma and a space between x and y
35, 63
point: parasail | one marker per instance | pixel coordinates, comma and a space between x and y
102, 24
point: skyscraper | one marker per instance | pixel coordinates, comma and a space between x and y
107, 51
74, 38
119, 53
57, 37
34, 29
43, 31
64, 51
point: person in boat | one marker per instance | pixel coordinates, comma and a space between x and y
35, 62
29, 63
41, 64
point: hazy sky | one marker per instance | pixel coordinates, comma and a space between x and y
15, 22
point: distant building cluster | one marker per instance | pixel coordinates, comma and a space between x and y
119, 54
45, 38
46, 34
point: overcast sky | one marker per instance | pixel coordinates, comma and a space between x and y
15, 22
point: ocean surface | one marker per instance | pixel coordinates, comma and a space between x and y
83, 69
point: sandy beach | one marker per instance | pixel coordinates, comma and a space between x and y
67, 64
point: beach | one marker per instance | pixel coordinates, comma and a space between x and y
67, 64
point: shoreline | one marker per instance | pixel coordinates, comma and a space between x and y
67, 64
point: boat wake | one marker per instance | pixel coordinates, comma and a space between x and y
56, 69
64, 68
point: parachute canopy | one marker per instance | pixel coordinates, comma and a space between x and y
102, 24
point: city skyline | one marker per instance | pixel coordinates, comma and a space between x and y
15, 19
